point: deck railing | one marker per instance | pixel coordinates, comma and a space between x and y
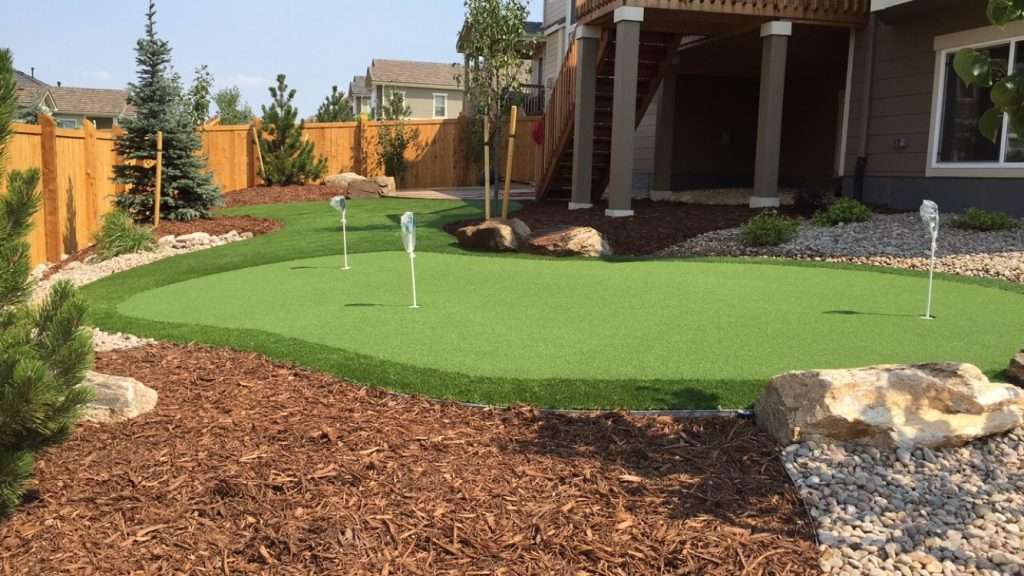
560, 112
797, 9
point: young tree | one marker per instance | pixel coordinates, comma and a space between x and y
160, 105
335, 108
395, 137
976, 66
199, 95
230, 107
44, 351
494, 44
287, 158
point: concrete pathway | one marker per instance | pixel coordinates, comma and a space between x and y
519, 192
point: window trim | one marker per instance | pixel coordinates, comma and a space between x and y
433, 104
944, 46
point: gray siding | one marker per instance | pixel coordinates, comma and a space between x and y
421, 100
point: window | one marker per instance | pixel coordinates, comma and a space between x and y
440, 105
67, 123
957, 146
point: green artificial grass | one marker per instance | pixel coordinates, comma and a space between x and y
557, 333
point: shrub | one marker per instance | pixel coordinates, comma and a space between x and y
119, 234
287, 158
985, 221
395, 137
844, 211
769, 228
44, 350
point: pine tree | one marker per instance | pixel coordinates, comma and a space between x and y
335, 108
44, 351
161, 105
287, 158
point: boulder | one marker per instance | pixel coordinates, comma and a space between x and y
364, 189
387, 185
193, 239
926, 405
343, 180
1016, 369
116, 399
166, 241
569, 241
494, 235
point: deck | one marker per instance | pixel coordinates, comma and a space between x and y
838, 12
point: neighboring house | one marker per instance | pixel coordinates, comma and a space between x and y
360, 94
532, 76
913, 126
70, 106
430, 89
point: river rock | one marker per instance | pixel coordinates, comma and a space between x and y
926, 405
116, 399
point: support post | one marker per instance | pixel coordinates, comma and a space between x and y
583, 142
159, 177
627, 59
51, 195
487, 167
664, 138
775, 42
513, 121
259, 150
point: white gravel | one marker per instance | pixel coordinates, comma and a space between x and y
954, 511
91, 270
894, 240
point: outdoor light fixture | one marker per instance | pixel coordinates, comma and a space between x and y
930, 217
409, 242
340, 204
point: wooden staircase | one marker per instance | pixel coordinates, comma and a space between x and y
656, 51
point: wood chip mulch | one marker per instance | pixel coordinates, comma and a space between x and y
218, 225
253, 467
278, 195
654, 227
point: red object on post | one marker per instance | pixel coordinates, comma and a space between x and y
538, 132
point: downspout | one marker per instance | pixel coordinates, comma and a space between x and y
865, 120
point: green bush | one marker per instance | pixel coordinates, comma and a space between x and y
119, 234
844, 211
769, 228
985, 221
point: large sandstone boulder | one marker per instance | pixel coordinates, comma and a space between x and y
569, 241
364, 189
343, 180
116, 399
496, 235
1016, 369
927, 405
387, 185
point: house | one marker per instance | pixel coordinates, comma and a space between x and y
70, 106
430, 89
754, 99
360, 95
533, 94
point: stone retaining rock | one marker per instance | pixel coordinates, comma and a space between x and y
1016, 369
116, 399
569, 241
927, 405
495, 235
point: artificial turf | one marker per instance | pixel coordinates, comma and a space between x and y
557, 333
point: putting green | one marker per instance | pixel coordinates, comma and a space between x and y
539, 319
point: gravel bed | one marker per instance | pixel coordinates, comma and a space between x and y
90, 270
894, 240
879, 512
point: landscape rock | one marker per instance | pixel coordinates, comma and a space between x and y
496, 235
1016, 369
926, 405
116, 399
166, 241
365, 189
569, 241
343, 180
387, 184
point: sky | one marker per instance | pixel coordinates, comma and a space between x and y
246, 43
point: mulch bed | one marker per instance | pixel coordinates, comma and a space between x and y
253, 467
218, 225
655, 225
278, 195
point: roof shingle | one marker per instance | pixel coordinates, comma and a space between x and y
409, 73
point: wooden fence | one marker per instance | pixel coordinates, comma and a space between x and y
77, 167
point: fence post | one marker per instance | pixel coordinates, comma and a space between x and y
51, 195
358, 139
117, 132
159, 176
89, 155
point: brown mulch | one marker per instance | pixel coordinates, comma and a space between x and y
278, 195
254, 467
218, 225
655, 225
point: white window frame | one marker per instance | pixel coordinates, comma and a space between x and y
433, 104
75, 123
944, 46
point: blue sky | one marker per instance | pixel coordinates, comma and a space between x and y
317, 43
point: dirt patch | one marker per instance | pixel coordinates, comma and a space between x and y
279, 195
262, 468
654, 227
218, 225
